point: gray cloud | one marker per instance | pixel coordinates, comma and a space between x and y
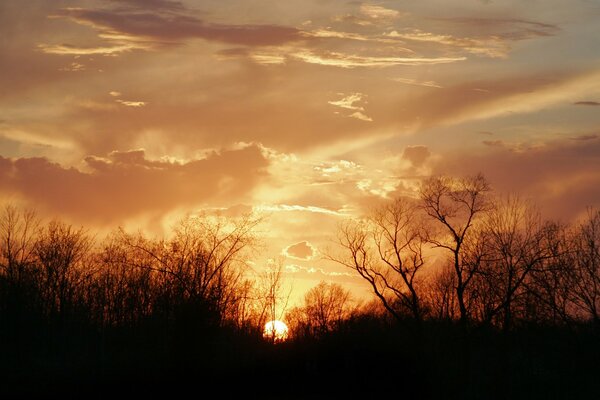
171, 27
417, 155
562, 176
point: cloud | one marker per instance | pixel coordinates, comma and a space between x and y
585, 137
132, 103
337, 59
131, 27
127, 184
73, 67
172, 5
409, 81
117, 48
587, 103
348, 103
561, 176
301, 251
504, 96
487, 46
417, 155
287, 207
507, 28
379, 13
361, 116
293, 269
493, 143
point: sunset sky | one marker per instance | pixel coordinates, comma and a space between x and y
133, 112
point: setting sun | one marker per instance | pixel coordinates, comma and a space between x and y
276, 330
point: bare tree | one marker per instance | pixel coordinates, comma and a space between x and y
18, 232
454, 205
386, 250
201, 264
324, 308
512, 237
440, 293
61, 252
549, 286
122, 290
585, 282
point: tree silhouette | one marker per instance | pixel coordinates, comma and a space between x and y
386, 249
512, 247
455, 204
324, 308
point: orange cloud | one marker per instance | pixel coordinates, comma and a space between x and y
126, 184
301, 251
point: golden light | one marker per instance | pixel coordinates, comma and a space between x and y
276, 331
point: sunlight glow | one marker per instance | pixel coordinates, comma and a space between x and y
276, 330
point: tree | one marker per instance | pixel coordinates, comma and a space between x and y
20, 305
549, 287
61, 252
324, 308
386, 250
454, 204
18, 232
512, 236
201, 268
440, 293
585, 257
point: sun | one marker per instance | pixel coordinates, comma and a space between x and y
276, 331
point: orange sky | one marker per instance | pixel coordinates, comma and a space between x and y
135, 112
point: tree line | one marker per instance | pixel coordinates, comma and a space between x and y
461, 253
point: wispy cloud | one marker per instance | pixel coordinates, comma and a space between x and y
490, 46
587, 103
585, 137
348, 103
336, 59
378, 12
114, 49
293, 269
131, 103
415, 82
74, 67
288, 208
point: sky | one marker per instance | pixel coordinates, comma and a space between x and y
135, 112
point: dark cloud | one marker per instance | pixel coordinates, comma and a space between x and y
585, 137
126, 184
587, 103
563, 177
507, 28
493, 143
156, 4
171, 27
417, 155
